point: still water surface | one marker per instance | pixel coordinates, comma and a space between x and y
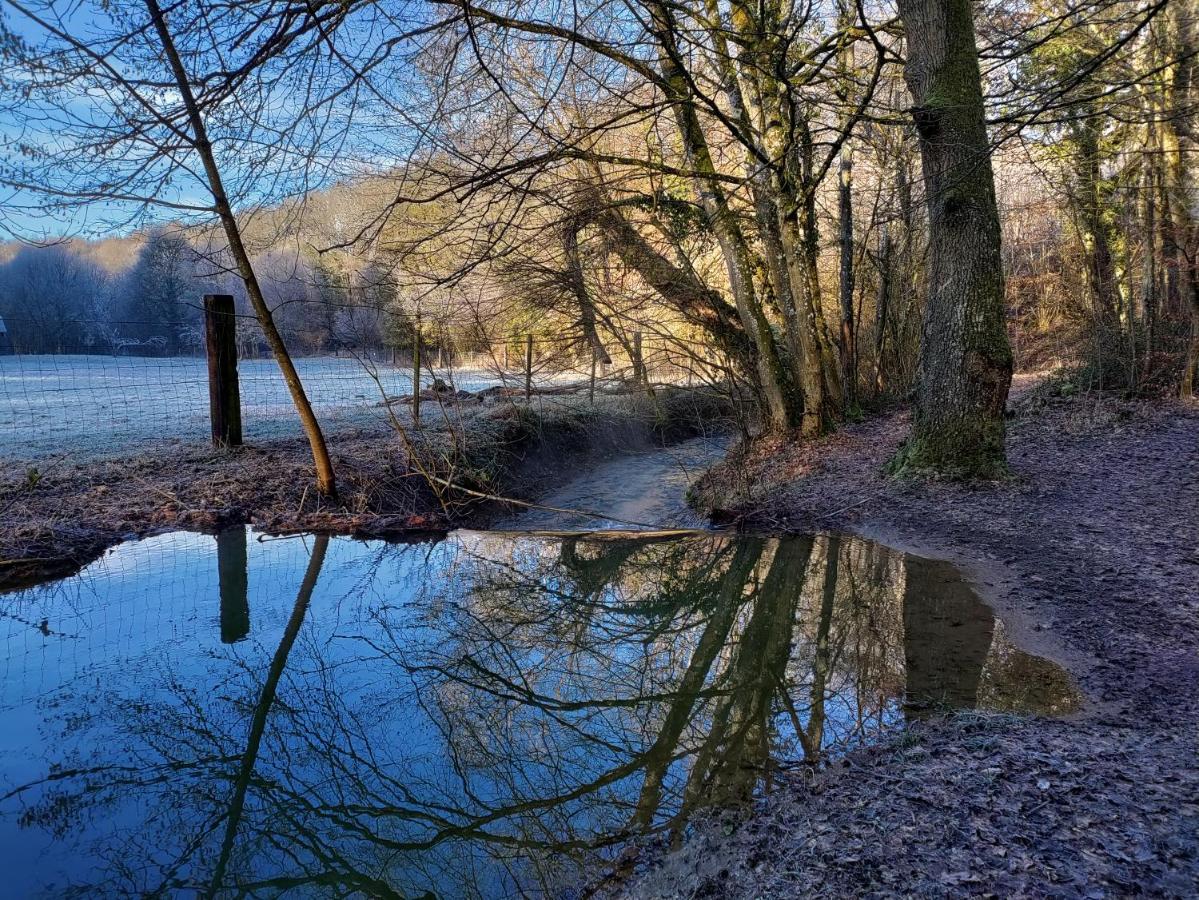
488, 715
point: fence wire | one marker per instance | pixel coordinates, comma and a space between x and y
99, 399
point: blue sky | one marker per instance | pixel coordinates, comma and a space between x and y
251, 177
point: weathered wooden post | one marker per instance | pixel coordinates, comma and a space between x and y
638, 366
591, 384
416, 373
224, 395
528, 366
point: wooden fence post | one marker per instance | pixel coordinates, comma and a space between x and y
416, 373
591, 385
224, 395
528, 366
638, 366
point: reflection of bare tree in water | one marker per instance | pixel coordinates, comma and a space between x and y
266, 700
737, 747
508, 705
947, 636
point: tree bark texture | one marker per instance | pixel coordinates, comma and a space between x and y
1181, 139
965, 364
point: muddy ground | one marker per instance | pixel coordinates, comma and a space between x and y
1090, 554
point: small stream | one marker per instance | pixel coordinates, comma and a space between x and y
492, 714
636, 490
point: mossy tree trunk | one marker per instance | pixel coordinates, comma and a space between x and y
1181, 144
965, 365
773, 117
1097, 221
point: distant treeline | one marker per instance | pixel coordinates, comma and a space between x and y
59, 299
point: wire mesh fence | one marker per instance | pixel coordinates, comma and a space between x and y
91, 399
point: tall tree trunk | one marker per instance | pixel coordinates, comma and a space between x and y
775, 385
849, 339
816, 414
772, 115
1181, 145
1149, 273
810, 259
849, 348
326, 482
965, 360
908, 260
882, 310
744, 95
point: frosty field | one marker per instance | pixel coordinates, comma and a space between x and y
93, 406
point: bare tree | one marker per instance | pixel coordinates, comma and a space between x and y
105, 123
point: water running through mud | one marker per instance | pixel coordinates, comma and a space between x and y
634, 490
487, 715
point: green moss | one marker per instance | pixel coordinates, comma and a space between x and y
968, 448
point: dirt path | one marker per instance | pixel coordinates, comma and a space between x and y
1091, 556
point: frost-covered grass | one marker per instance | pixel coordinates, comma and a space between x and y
89, 407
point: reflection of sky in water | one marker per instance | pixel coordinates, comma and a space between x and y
467, 716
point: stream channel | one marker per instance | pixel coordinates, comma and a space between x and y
490, 714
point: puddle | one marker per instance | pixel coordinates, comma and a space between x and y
485, 716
